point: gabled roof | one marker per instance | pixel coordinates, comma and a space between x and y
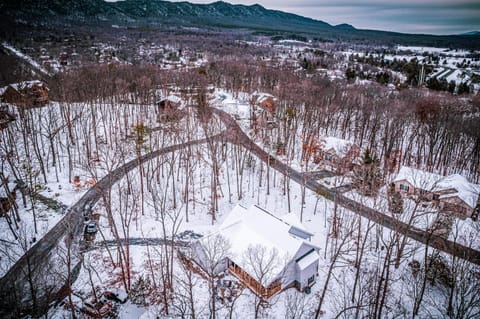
171, 98
26, 84
340, 146
466, 191
262, 97
418, 178
249, 227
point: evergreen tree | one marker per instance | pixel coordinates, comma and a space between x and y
367, 177
139, 291
463, 88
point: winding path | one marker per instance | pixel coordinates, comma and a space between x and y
35, 266
237, 136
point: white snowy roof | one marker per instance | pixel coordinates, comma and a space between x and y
340, 146
308, 260
171, 98
465, 190
418, 178
25, 84
249, 227
174, 99
261, 97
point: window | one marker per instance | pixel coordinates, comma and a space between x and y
404, 187
311, 280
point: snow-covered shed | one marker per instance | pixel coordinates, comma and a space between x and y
266, 253
168, 108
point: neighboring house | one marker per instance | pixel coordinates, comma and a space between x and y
169, 108
295, 258
266, 102
337, 155
26, 94
453, 193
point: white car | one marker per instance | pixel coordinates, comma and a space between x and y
91, 228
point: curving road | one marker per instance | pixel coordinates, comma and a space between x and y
237, 136
35, 265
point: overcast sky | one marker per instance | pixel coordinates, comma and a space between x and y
410, 16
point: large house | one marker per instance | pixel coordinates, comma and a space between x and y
26, 94
453, 193
337, 155
285, 239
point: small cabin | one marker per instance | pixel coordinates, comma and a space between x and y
169, 108
266, 104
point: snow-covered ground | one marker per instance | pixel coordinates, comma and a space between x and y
181, 195
176, 192
113, 146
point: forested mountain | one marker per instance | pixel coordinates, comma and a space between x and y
157, 13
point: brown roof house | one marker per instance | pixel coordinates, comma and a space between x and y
453, 193
26, 94
337, 155
266, 103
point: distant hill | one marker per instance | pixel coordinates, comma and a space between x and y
471, 33
157, 13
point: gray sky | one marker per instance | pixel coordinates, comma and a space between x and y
410, 16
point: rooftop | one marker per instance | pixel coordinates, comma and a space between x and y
251, 227
340, 146
466, 191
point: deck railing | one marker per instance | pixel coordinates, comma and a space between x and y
252, 284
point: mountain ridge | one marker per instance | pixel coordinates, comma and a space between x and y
218, 14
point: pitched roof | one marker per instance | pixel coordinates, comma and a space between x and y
249, 227
26, 84
466, 191
418, 178
261, 97
340, 146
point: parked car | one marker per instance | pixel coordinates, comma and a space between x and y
91, 228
